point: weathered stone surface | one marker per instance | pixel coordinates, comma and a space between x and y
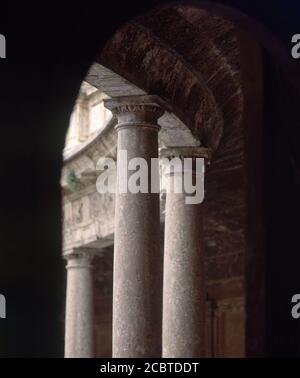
224, 320
184, 281
137, 262
79, 324
171, 79
173, 129
89, 217
180, 54
193, 62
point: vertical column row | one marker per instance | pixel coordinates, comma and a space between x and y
138, 311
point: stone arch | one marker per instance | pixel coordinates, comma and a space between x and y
220, 99
68, 68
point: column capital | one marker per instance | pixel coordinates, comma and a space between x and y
185, 152
79, 258
142, 110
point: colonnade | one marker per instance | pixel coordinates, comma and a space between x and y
158, 308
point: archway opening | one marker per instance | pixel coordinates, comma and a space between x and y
212, 75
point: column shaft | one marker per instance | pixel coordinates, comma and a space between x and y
137, 262
79, 327
184, 283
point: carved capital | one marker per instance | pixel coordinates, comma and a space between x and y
79, 258
175, 167
133, 111
186, 152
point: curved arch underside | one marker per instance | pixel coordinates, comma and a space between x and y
191, 59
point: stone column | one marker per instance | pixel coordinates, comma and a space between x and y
137, 262
79, 326
184, 283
